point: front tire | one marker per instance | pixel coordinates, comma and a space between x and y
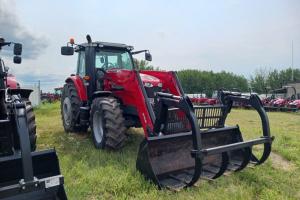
31, 128
70, 109
107, 124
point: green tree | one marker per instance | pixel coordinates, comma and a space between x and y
196, 81
143, 65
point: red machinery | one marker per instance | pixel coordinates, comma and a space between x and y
294, 105
12, 82
181, 142
281, 100
199, 100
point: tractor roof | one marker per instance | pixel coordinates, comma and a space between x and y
106, 44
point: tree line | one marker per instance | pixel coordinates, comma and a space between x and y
206, 82
197, 81
265, 80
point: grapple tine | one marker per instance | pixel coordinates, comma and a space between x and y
239, 159
265, 155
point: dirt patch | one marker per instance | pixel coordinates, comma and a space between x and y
279, 162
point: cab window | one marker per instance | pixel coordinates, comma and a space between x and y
81, 64
113, 59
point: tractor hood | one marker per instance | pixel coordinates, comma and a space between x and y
296, 102
279, 101
150, 81
12, 82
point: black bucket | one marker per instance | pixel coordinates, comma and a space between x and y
47, 184
168, 162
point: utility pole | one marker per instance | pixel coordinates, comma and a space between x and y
292, 61
39, 92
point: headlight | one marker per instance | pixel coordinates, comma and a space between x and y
148, 84
160, 85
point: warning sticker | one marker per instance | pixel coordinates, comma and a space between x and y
51, 182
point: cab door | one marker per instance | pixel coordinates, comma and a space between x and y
81, 64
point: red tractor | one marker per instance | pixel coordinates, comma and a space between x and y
281, 99
24, 172
294, 105
199, 100
11, 81
181, 142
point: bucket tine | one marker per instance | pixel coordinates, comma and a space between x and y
239, 159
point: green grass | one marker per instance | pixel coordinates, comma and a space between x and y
97, 174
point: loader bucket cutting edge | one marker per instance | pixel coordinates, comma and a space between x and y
48, 184
173, 161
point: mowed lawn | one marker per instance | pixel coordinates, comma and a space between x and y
99, 174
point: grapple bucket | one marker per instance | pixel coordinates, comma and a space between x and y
47, 182
25, 174
193, 143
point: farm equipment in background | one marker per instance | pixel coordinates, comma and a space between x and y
294, 105
24, 172
51, 97
57, 93
281, 100
47, 97
182, 142
212, 101
199, 100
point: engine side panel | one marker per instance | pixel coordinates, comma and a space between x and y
168, 80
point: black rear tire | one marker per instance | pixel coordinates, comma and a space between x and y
31, 128
107, 120
70, 109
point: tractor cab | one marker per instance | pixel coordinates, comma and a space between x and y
97, 59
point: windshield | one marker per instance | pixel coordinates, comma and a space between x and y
109, 59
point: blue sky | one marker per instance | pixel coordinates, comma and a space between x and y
236, 36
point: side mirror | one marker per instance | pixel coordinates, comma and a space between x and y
67, 51
17, 59
148, 56
18, 49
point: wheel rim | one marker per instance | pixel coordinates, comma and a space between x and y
67, 111
97, 127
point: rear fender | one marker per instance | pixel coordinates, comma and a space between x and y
24, 93
79, 85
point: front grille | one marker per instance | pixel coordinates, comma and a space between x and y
152, 90
208, 117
